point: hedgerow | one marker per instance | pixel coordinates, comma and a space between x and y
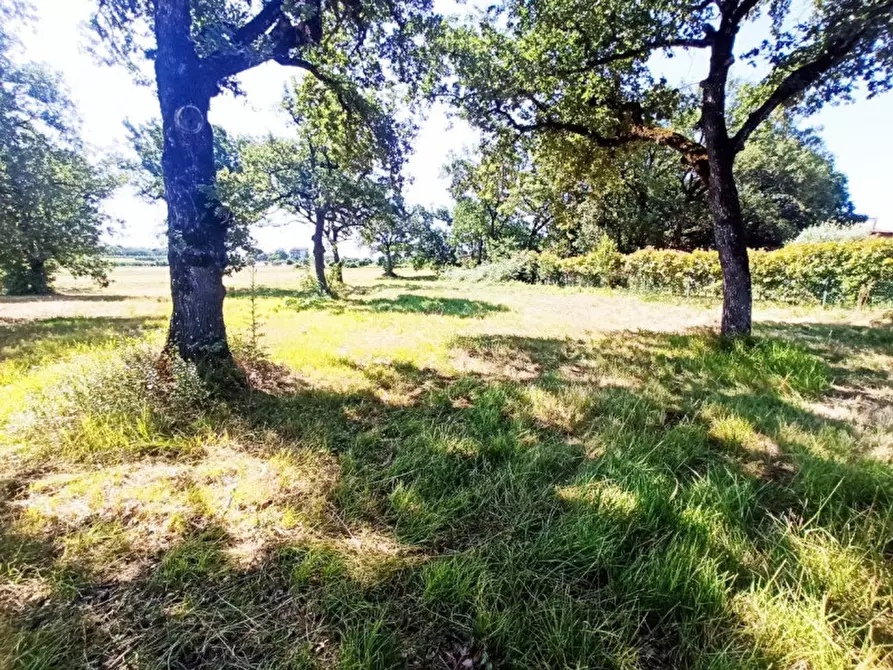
859, 271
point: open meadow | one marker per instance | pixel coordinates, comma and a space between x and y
428, 474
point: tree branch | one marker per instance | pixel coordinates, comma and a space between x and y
692, 152
796, 82
281, 37
642, 50
265, 19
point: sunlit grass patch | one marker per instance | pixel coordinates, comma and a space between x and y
419, 481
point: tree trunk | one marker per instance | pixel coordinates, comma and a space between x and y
196, 222
728, 227
336, 260
319, 253
722, 193
388, 262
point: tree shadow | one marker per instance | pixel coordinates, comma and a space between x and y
69, 297
567, 503
34, 338
420, 304
414, 278
402, 304
268, 292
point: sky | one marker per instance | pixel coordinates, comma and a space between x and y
857, 134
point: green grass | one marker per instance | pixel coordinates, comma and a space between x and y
432, 475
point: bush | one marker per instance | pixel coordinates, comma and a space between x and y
601, 267
832, 232
521, 266
827, 272
855, 272
678, 272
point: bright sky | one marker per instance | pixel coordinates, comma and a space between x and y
857, 134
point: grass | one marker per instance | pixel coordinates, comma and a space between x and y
431, 475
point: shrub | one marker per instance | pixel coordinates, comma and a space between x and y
832, 232
601, 267
828, 272
520, 266
679, 272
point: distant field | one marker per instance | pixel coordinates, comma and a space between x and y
443, 475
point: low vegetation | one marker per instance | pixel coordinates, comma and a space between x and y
850, 272
436, 475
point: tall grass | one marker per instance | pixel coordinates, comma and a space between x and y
482, 499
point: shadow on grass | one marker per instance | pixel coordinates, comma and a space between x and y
402, 304
268, 292
28, 341
415, 278
645, 499
68, 297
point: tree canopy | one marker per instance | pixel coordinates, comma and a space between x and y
582, 69
51, 194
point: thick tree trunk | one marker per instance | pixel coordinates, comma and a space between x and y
319, 253
725, 205
196, 223
728, 227
388, 262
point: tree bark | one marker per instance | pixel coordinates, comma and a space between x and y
388, 262
722, 193
196, 222
336, 259
728, 227
319, 253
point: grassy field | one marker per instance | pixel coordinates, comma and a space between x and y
435, 475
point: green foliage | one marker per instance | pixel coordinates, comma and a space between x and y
603, 266
341, 171
520, 266
677, 272
831, 231
51, 194
828, 272
787, 182
838, 272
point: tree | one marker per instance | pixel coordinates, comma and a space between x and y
336, 173
430, 244
50, 193
240, 204
481, 188
198, 48
644, 196
788, 182
559, 66
389, 233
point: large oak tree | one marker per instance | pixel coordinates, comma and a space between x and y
582, 68
198, 47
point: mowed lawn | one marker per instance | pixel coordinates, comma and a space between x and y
437, 475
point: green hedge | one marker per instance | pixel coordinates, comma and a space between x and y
829, 272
